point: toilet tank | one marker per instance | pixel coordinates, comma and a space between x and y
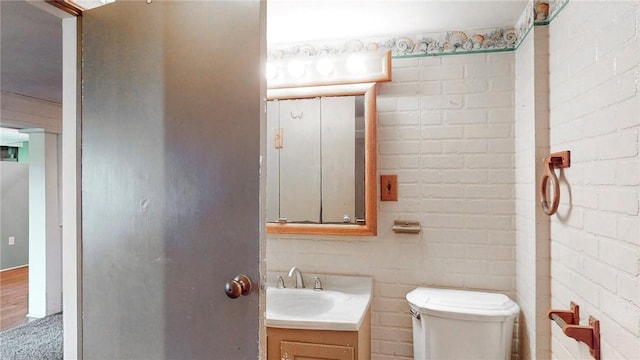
460, 324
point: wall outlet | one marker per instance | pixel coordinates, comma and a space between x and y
12, 240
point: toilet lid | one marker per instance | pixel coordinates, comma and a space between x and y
450, 301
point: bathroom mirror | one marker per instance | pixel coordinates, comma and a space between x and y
321, 160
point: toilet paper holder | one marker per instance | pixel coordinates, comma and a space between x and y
569, 322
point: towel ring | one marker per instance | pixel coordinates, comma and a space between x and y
555, 160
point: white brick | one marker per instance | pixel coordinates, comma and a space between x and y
465, 86
499, 116
385, 104
401, 89
465, 206
442, 102
403, 148
443, 192
395, 320
501, 146
497, 222
621, 256
465, 117
620, 201
464, 146
488, 192
465, 176
624, 313
405, 62
406, 133
488, 70
405, 118
428, 117
430, 88
489, 100
442, 72
619, 145
386, 333
408, 74
430, 61
628, 288
396, 349
408, 103
487, 131
502, 84
442, 132
629, 230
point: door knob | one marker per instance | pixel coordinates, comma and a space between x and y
240, 285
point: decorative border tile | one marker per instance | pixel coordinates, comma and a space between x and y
526, 21
441, 43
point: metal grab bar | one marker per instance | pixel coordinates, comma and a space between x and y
555, 160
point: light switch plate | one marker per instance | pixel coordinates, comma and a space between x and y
388, 187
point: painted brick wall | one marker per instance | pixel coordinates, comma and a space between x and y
525, 194
595, 113
446, 128
532, 226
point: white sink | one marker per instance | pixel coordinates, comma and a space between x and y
342, 305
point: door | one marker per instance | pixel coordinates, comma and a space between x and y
171, 117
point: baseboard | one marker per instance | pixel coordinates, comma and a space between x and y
15, 267
31, 318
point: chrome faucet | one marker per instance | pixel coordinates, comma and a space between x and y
318, 285
299, 280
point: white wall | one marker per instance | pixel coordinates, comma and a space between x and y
595, 113
532, 226
446, 128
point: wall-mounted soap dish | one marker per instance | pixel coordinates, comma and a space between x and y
406, 226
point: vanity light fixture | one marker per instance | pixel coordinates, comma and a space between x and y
89, 4
76, 7
329, 69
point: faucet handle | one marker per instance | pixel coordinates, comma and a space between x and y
318, 285
280, 283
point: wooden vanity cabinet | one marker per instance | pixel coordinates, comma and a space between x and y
291, 344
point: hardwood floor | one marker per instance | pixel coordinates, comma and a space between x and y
14, 289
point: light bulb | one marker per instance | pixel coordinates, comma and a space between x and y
296, 68
271, 71
324, 66
355, 64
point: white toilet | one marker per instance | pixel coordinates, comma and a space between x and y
457, 324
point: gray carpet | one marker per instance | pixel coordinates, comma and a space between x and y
36, 340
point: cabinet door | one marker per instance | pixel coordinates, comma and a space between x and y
338, 158
307, 351
300, 160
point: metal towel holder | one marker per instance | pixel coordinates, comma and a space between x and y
556, 160
569, 322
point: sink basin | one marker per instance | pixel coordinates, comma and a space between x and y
342, 305
300, 302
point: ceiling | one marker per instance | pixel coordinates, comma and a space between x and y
31, 53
